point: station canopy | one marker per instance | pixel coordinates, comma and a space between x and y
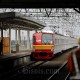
18, 20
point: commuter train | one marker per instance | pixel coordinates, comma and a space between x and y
46, 45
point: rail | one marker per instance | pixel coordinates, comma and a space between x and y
58, 70
20, 69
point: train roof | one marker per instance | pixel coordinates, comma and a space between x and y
65, 35
56, 34
44, 32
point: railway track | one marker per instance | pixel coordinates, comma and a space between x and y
61, 73
6, 73
20, 72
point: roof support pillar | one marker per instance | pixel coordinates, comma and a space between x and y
19, 38
16, 35
17, 46
1, 38
10, 39
28, 40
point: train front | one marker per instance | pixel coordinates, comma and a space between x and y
43, 45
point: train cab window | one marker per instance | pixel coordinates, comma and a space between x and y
47, 39
34, 39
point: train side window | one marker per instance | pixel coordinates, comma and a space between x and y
34, 39
58, 41
55, 41
61, 41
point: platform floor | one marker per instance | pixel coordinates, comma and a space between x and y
26, 52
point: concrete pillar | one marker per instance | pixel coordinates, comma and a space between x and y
17, 46
1, 53
10, 39
19, 38
16, 35
28, 40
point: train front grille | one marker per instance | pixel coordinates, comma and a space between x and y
42, 54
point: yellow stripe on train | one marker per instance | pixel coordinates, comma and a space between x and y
43, 46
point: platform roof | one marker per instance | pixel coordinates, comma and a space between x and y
18, 20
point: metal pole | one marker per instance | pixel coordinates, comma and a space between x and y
1, 38
75, 63
77, 77
19, 39
16, 37
10, 39
28, 40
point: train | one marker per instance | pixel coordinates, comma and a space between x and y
47, 44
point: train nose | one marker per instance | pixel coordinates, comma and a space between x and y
42, 54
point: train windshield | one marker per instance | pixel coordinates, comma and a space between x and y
47, 39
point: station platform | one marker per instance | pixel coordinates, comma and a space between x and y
15, 55
12, 61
